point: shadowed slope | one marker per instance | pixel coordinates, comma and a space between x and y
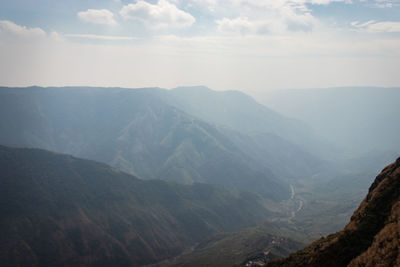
60, 210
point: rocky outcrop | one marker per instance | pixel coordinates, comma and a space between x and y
372, 236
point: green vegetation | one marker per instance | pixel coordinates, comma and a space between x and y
62, 210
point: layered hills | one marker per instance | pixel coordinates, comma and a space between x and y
59, 210
65, 210
263, 134
156, 134
371, 238
233, 109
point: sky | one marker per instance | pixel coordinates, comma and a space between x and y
248, 45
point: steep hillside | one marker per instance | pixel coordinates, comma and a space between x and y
233, 109
241, 113
58, 210
285, 159
267, 137
372, 236
134, 131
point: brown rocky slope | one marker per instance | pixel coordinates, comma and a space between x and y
372, 237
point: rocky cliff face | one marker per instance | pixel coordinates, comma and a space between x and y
372, 236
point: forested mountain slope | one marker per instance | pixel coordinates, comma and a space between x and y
58, 210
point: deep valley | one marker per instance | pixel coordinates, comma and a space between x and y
183, 177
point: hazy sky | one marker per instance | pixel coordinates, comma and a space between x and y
248, 45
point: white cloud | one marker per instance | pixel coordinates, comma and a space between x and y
268, 18
240, 25
377, 27
244, 26
97, 16
217, 6
386, 3
160, 15
11, 31
14, 34
386, 26
101, 37
258, 16
322, 2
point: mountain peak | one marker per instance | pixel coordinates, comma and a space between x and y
197, 88
387, 170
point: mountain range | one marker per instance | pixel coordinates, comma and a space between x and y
59, 210
223, 180
140, 132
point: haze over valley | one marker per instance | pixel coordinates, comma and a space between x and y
199, 133
274, 175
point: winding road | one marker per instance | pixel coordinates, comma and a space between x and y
294, 198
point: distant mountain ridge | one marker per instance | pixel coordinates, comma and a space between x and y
58, 210
233, 109
132, 130
371, 238
355, 119
140, 131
